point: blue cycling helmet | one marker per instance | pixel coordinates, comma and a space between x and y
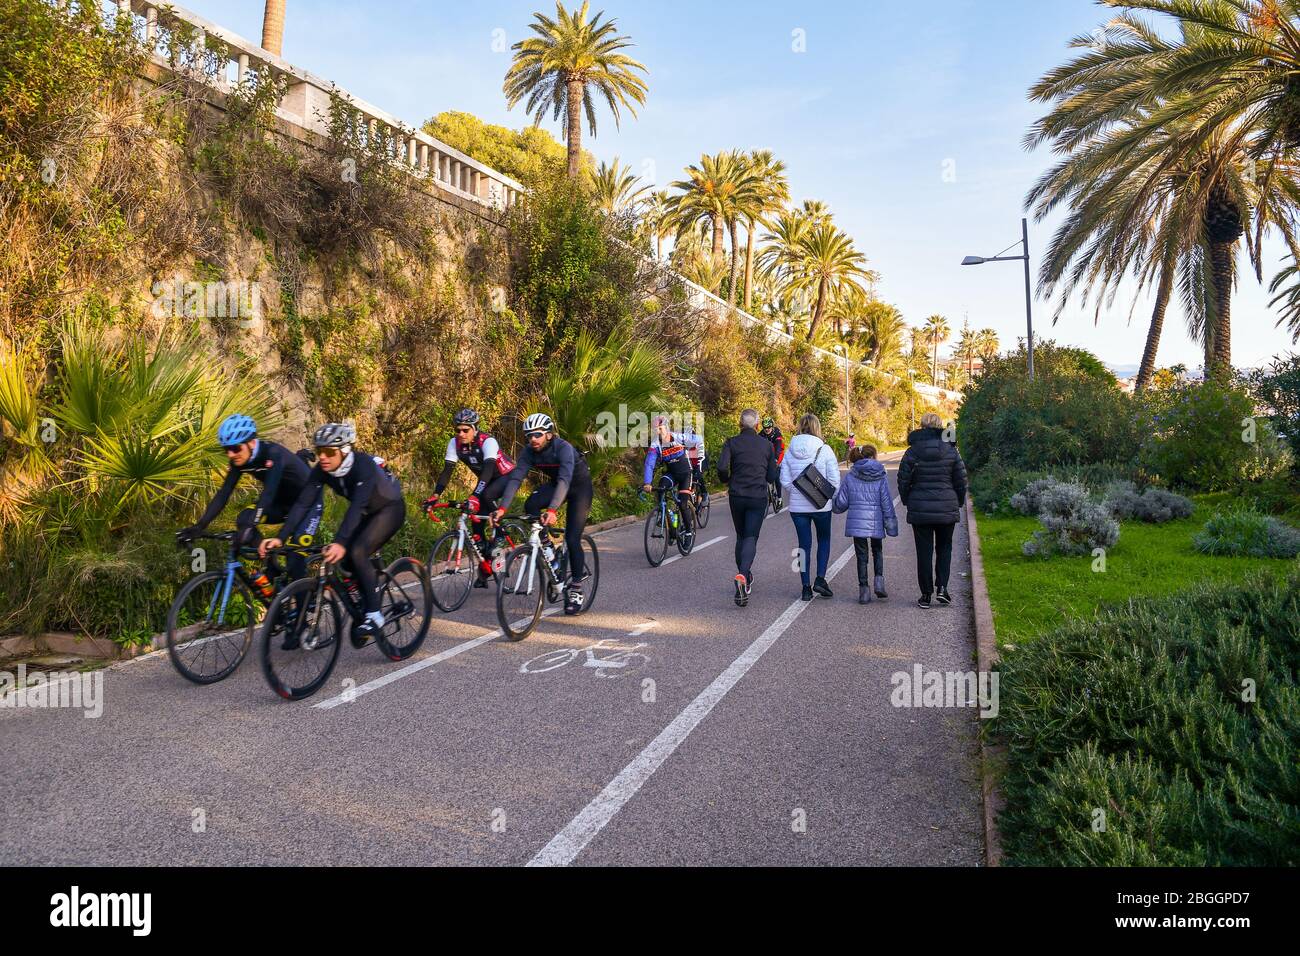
236, 430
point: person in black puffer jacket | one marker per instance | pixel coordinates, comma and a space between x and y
932, 486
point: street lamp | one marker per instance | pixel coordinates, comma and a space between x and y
1029, 295
848, 415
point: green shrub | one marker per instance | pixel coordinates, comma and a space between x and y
1073, 413
1174, 723
994, 485
1249, 533
1277, 388
1196, 434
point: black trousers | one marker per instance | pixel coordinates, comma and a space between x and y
869, 551
373, 534
684, 478
747, 515
933, 555
575, 519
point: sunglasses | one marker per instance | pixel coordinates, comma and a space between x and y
328, 452
534, 434
232, 449
464, 430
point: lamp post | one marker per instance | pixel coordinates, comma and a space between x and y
1029, 295
848, 414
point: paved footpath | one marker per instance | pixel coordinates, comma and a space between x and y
762, 735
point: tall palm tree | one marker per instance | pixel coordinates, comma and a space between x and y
273, 26
882, 330
770, 194
828, 264
936, 332
965, 349
709, 193
656, 220
615, 188
570, 62
986, 345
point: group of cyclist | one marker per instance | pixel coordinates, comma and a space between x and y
293, 485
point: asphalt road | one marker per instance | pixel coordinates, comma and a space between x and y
762, 735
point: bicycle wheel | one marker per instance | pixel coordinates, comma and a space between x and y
404, 601
209, 630
656, 537
520, 593
301, 639
702, 511
451, 572
591, 558
686, 539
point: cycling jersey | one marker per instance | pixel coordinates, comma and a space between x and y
695, 452
282, 473
561, 463
482, 456
674, 449
368, 488
774, 435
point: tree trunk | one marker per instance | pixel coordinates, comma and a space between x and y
1148, 368
574, 134
817, 309
1220, 353
717, 238
934, 369
749, 265
273, 26
731, 285
658, 247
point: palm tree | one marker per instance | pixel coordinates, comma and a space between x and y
1195, 135
966, 349
273, 26
770, 193
714, 191
656, 221
936, 332
829, 264
615, 188
986, 345
569, 60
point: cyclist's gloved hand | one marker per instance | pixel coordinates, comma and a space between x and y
498, 514
645, 489
472, 505
549, 517
429, 502
268, 544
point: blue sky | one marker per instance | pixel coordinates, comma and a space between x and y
907, 119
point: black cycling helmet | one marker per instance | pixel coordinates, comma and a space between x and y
466, 416
768, 423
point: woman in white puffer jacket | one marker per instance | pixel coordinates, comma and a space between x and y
807, 448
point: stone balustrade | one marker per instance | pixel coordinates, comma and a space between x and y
306, 102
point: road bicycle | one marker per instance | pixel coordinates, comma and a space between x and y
302, 633
774, 500
211, 621
536, 573
665, 524
702, 502
457, 557
618, 662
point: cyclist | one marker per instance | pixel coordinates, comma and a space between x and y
376, 511
282, 473
697, 456
773, 434
480, 453
569, 479
671, 447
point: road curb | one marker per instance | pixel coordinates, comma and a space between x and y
986, 652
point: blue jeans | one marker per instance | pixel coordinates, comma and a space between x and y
803, 525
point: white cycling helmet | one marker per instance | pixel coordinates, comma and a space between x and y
538, 422
334, 435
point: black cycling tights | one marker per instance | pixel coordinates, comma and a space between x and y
575, 521
374, 533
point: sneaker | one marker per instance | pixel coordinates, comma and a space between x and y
880, 587
822, 588
923, 601
742, 591
807, 593
484, 572
573, 601
364, 632
943, 596
864, 594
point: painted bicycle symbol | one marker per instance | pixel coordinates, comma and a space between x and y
615, 660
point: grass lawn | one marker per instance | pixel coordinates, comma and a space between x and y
1030, 595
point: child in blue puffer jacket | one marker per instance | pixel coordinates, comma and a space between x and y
864, 494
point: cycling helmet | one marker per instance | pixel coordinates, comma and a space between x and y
539, 422
466, 416
334, 435
768, 423
235, 430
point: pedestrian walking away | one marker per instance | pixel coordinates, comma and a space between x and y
810, 467
747, 466
865, 497
932, 486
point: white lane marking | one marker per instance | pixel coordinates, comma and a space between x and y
642, 628
697, 550
418, 666
569, 842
